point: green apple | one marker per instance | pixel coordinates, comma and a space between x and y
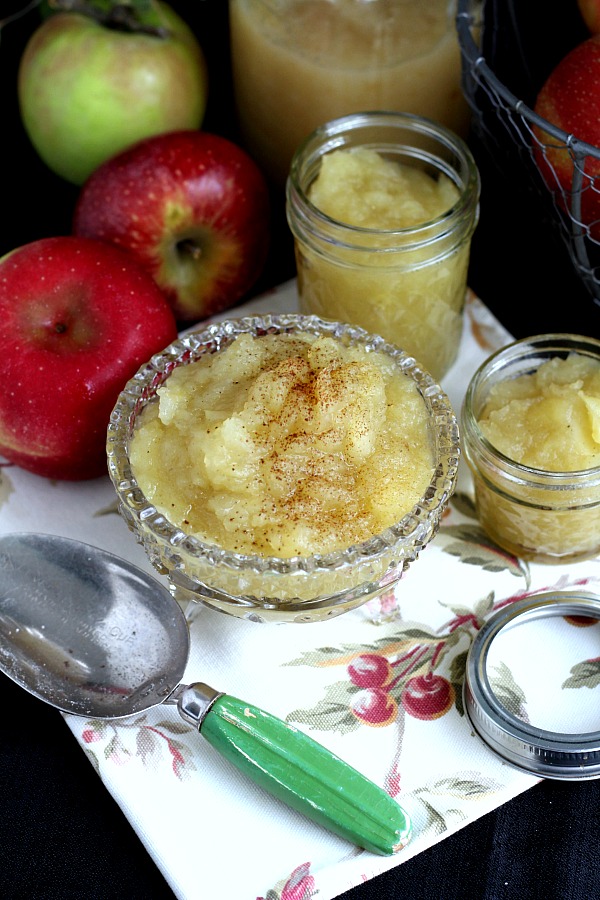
91, 85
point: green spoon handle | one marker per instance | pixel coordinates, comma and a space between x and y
299, 771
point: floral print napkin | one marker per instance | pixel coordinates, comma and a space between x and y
380, 686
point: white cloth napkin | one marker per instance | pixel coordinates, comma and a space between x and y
215, 834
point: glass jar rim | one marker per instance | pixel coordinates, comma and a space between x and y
333, 130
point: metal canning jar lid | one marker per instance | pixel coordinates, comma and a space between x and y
545, 753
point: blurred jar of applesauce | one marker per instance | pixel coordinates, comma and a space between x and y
299, 63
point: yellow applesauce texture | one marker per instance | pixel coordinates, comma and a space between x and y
411, 299
550, 419
361, 187
284, 445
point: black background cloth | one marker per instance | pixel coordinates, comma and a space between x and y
62, 836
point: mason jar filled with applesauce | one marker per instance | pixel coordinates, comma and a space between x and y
382, 207
299, 63
531, 438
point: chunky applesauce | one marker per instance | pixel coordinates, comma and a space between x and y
549, 419
540, 500
410, 288
284, 445
361, 187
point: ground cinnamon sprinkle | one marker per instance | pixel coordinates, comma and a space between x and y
285, 445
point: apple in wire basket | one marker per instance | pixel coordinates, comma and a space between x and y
569, 99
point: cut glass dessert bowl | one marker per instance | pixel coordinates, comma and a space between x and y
216, 545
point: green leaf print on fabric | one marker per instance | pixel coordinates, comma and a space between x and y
472, 545
584, 674
508, 692
436, 802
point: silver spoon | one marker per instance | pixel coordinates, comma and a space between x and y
95, 636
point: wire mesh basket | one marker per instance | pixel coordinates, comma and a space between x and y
494, 51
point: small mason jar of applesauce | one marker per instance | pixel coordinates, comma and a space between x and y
382, 207
298, 63
531, 438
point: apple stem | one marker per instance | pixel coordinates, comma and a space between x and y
190, 248
137, 16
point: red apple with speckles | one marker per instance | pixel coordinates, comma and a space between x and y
77, 320
570, 100
192, 208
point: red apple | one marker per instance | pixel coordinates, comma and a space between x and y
189, 206
92, 84
590, 13
570, 100
77, 319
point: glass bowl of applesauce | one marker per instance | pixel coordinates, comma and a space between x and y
282, 468
531, 437
382, 207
